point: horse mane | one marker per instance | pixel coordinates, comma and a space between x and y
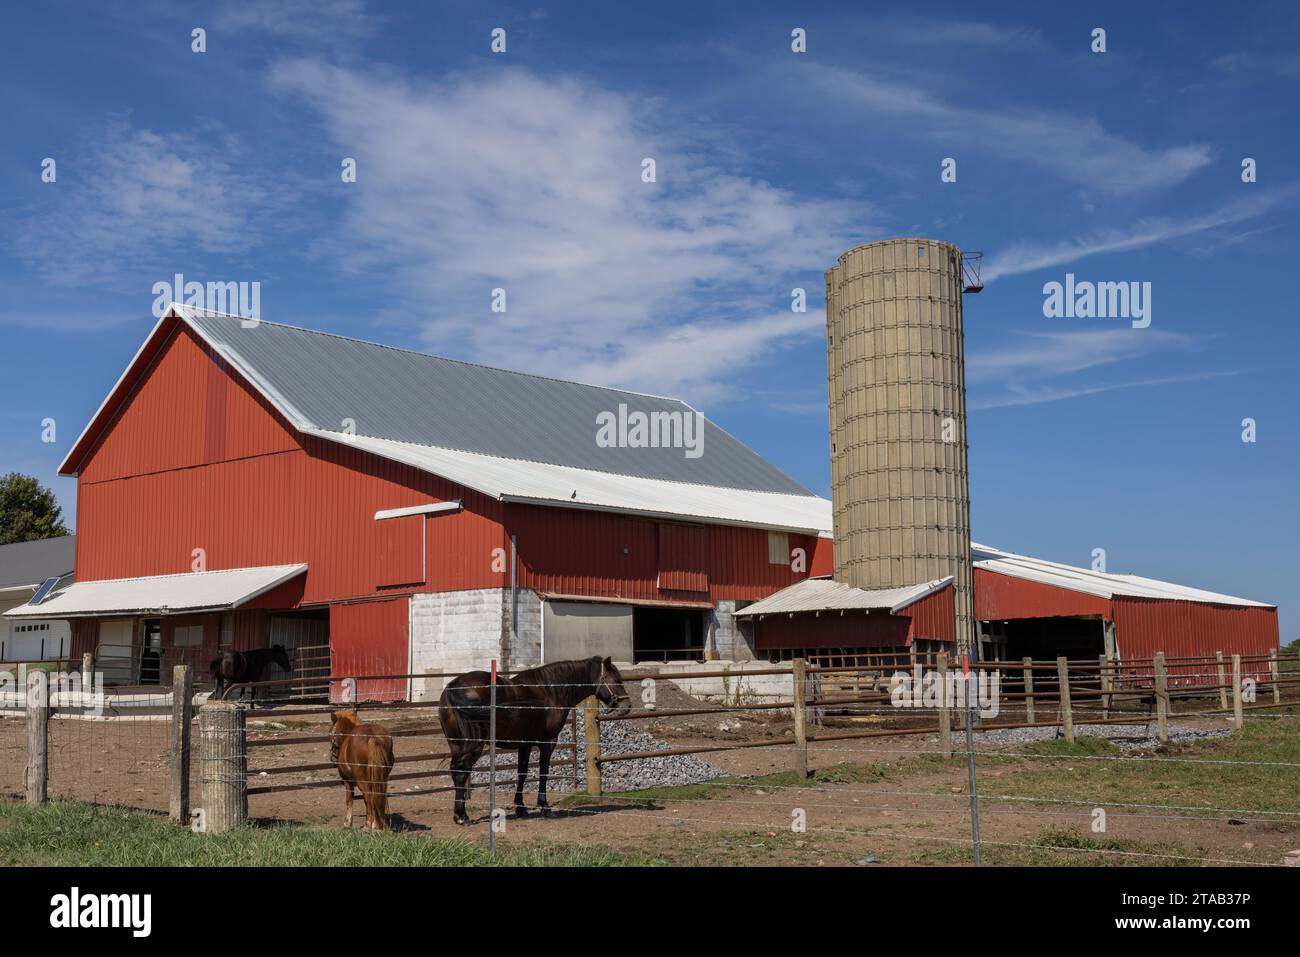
553, 677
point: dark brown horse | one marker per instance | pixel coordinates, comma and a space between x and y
237, 667
532, 708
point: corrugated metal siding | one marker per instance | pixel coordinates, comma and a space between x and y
401, 555
853, 629
85, 636
1183, 629
683, 558
370, 638
932, 617
601, 555
186, 412
1002, 597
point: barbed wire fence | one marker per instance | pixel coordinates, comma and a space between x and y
257, 751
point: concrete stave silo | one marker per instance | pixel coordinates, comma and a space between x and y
896, 376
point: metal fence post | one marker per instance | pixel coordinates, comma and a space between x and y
970, 760
1029, 689
799, 712
182, 716
492, 762
1067, 713
945, 716
223, 757
591, 729
1162, 696
1236, 692
38, 736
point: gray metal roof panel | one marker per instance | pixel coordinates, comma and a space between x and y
30, 563
446, 403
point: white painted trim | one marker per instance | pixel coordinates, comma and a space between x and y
433, 508
934, 587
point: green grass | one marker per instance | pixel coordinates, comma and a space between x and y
1261, 784
71, 834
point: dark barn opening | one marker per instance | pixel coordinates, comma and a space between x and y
667, 634
1045, 639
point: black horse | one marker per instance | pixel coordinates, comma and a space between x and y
237, 667
532, 708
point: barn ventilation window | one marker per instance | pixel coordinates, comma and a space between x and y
778, 548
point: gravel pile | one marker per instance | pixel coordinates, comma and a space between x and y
616, 737
1126, 737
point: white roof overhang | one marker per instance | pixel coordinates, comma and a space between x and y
161, 594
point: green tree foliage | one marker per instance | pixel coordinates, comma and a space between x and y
28, 510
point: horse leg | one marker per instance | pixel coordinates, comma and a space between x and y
525, 751
347, 805
460, 771
543, 772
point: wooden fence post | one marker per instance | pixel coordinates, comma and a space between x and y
799, 712
1067, 714
1236, 692
182, 716
1273, 670
1103, 670
945, 716
224, 766
591, 728
1223, 683
1029, 689
1162, 696
37, 690
87, 666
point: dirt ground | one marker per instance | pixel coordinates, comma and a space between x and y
885, 801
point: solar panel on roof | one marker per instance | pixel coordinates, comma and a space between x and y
43, 592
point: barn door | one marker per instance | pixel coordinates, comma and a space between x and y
370, 638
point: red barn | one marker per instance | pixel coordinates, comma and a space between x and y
247, 483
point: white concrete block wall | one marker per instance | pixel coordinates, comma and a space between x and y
459, 631
725, 640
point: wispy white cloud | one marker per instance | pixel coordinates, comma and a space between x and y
533, 184
1027, 257
1018, 394
1075, 147
956, 33
133, 197
1039, 355
329, 22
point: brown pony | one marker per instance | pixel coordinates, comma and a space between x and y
364, 755
532, 708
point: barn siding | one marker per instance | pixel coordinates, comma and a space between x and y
1004, 597
1184, 629
370, 638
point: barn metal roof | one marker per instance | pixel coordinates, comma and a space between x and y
1101, 584
161, 594
320, 380
25, 565
565, 486
824, 594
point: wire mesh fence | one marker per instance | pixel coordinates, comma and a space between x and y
744, 743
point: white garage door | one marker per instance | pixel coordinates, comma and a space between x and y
573, 630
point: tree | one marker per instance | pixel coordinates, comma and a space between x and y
28, 510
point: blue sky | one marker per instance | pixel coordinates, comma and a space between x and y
522, 170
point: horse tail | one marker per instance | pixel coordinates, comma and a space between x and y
471, 718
